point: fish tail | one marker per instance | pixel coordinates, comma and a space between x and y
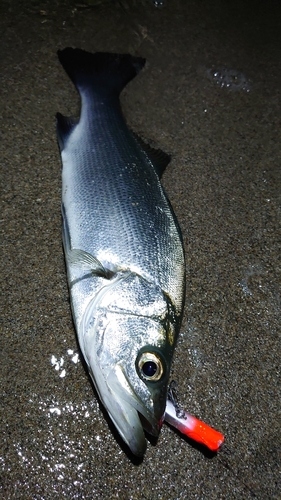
104, 73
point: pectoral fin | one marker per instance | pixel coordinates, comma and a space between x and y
80, 258
88, 262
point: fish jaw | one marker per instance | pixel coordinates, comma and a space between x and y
133, 417
123, 414
131, 411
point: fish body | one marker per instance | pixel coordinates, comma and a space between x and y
123, 249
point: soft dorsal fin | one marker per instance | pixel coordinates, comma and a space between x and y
65, 126
158, 158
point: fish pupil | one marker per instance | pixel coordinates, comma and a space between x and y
149, 368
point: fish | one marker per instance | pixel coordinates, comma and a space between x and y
123, 248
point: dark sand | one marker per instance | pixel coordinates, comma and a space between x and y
224, 184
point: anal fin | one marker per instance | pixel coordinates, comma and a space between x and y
65, 125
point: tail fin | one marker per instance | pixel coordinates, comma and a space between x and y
106, 73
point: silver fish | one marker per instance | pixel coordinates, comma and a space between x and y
123, 249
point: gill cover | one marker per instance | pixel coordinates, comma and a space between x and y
128, 340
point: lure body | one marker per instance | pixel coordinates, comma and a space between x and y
193, 428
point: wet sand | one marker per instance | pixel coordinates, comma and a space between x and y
209, 96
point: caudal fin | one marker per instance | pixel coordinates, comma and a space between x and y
105, 73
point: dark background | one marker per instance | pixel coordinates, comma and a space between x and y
224, 185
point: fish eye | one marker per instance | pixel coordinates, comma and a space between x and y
150, 366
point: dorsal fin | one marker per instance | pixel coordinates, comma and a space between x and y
158, 158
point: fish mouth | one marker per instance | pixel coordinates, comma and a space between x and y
129, 414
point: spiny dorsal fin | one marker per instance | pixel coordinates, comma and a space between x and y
158, 158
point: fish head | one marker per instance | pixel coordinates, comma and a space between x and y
127, 337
